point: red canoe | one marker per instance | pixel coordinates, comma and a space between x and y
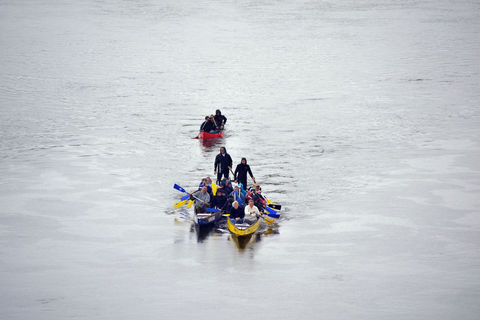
208, 135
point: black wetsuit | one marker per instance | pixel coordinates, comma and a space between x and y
241, 174
221, 165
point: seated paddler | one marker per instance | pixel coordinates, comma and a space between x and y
251, 212
202, 199
236, 213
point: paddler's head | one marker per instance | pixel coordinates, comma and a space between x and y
235, 204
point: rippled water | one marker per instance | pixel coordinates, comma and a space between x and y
361, 119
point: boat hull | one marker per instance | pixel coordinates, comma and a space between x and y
206, 219
243, 231
207, 135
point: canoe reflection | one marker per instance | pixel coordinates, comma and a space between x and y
207, 144
244, 241
202, 232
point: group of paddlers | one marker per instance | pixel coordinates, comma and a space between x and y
214, 123
236, 199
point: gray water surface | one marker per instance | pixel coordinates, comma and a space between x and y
361, 118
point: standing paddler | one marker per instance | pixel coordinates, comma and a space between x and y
223, 163
241, 171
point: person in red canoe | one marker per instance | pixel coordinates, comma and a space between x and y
202, 127
215, 125
208, 125
220, 119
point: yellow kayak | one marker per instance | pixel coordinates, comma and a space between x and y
242, 229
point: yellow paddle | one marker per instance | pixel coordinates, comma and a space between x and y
189, 204
268, 220
179, 204
214, 188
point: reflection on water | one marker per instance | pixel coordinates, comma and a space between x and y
241, 242
211, 145
220, 229
202, 232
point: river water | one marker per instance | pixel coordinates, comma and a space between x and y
361, 118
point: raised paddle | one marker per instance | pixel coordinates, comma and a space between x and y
176, 186
214, 188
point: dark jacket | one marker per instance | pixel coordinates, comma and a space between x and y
219, 119
241, 172
218, 201
228, 205
209, 126
227, 189
202, 127
222, 162
237, 213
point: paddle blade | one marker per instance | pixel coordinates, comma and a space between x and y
273, 215
269, 201
270, 210
268, 220
212, 210
179, 204
275, 206
189, 204
185, 197
176, 186
214, 188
